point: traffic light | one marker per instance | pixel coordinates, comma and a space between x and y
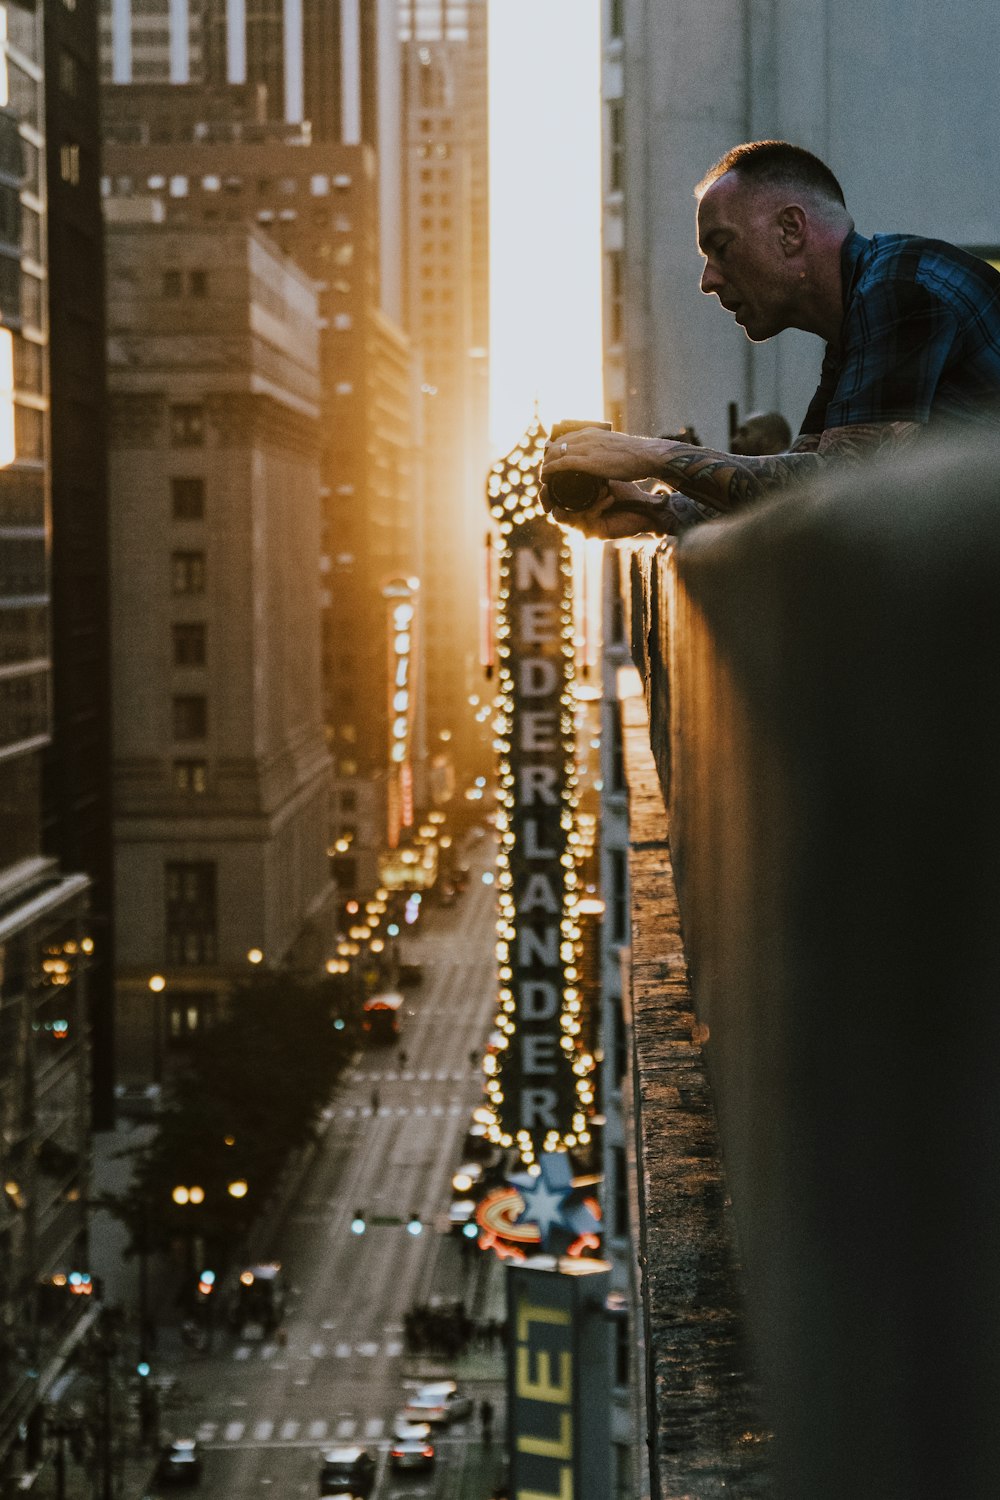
414, 1225
142, 1369
206, 1285
358, 1225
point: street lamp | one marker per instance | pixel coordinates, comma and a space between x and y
255, 956
183, 1195
238, 1188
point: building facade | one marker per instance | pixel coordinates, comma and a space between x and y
319, 201
222, 778
447, 314
45, 942
76, 771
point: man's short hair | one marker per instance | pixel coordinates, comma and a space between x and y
775, 162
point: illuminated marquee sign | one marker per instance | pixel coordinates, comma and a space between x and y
538, 1080
558, 1374
400, 596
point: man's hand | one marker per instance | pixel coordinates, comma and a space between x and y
623, 510
609, 455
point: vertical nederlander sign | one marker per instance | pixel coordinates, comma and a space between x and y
535, 1079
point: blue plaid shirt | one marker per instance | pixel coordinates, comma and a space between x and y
920, 341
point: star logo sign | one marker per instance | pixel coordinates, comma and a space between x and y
547, 1201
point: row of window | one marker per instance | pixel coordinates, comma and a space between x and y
179, 185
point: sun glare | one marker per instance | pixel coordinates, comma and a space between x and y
545, 258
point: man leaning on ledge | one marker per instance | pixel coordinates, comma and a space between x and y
912, 330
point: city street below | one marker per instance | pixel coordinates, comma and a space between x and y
337, 1371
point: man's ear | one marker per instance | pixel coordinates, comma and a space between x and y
792, 222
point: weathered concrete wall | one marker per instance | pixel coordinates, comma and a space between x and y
834, 821
707, 1440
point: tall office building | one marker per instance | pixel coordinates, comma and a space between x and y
76, 775
202, 157
447, 310
333, 64
222, 778
44, 942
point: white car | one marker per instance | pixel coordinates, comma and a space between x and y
438, 1403
403, 1428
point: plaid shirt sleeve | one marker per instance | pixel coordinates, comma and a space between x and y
898, 339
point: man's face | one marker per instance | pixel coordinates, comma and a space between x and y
746, 265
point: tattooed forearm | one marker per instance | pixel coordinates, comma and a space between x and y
726, 481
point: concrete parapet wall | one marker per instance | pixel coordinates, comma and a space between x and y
834, 827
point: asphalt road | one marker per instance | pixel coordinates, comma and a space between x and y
264, 1409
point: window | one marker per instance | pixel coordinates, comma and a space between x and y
69, 80
189, 645
191, 777
184, 1021
319, 185
173, 284
615, 303
187, 573
69, 163
190, 717
348, 802
616, 145
198, 283
178, 187
619, 896
617, 767
616, 19
190, 912
187, 499
187, 425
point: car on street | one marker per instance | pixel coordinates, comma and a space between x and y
438, 1403
402, 1427
179, 1463
411, 1453
347, 1470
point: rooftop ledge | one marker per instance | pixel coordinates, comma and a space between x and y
815, 972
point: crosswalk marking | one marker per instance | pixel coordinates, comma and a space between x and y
268, 1351
393, 1349
342, 1351
368, 1351
243, 1352
421, 1109
295, 1434
317, 1350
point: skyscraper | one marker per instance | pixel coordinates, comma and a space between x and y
44, 942
447, 311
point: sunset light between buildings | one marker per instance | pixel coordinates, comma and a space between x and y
545, 156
